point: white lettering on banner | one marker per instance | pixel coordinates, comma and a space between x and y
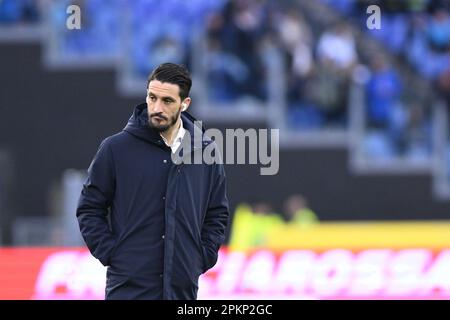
294, 269
377, 273
332, 273
406, 269
205, 283
437, 280
369, 272
258, 273
230, 272
54, 273
70, 275
89, 278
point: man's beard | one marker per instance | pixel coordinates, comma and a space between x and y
163, 127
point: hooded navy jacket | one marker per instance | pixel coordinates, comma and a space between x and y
156, 224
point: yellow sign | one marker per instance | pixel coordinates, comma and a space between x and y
395, 235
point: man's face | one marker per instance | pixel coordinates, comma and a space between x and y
163, 104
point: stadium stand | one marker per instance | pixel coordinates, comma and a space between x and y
310, 68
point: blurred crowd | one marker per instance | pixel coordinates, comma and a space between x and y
14, 12
419, 30
241, 38
253, 223
418, 33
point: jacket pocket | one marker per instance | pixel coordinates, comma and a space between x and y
210, 256
111, 254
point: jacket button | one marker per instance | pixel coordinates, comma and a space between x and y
161, 275
163, 236
164, 198
165, 161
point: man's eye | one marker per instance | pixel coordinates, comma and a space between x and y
152, 98
167, 101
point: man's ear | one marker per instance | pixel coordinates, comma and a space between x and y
185, 104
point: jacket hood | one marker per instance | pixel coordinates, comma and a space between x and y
138, 126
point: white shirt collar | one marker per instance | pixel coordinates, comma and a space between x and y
178, 138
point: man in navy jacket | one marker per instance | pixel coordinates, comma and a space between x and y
157, 224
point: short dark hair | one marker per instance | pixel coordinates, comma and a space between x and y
173, 73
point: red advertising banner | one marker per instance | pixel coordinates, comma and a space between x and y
414, 273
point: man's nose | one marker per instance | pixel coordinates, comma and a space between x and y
158, 106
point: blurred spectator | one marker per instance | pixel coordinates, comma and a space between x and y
296, 39
165, 49
226, 72
264, 220
383, 92
241, 234
444, 85
428, 61
343, 6
318, 92
327, 89
418, 132
251, 224
304, 115
234, 36
298, 213
337, 45
19, 12
386, 114
438, 30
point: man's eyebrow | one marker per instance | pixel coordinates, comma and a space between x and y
163, 98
